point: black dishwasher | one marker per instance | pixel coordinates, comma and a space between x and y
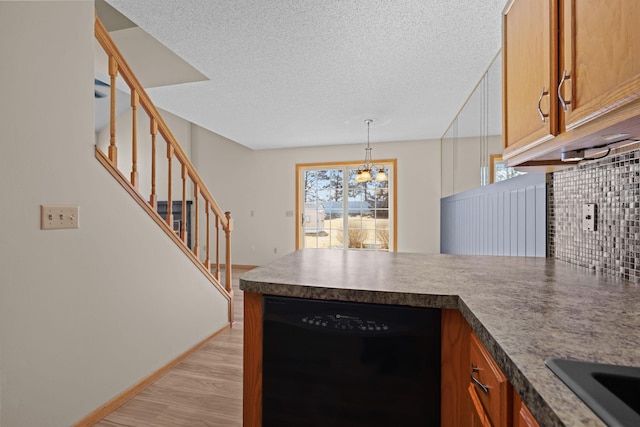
330, 363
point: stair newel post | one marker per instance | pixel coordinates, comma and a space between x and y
227, 267
217, 248
196, 239
207, 261
153, 199
113, 73
170, 181
134, 138
183, 223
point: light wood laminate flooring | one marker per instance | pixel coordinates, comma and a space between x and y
204, 390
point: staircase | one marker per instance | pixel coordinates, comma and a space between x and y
189, 214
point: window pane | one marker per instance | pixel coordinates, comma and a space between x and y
364, 213
313, 214
323, 208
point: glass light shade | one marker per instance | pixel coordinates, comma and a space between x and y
363, 176
382, 176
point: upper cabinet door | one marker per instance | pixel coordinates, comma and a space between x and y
530, 52
600, 42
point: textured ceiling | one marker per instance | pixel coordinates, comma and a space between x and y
291, 73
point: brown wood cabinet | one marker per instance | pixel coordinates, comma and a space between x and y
454, 375
530, 58
598, 58
521, 415
465, 402
252, 366
574, 91
489, 390
479, 417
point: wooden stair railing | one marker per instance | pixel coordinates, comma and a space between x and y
212, 211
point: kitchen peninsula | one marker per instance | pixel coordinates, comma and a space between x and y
523, 310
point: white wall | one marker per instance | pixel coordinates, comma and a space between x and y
243, 180
461, 162
84, 313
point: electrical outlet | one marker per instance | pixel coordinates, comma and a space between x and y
589, 217
55, 217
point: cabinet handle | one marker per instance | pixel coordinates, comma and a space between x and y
564, 103
542, 115
483, 387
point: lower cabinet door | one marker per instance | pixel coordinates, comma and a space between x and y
521, 415
490, 387
479, 417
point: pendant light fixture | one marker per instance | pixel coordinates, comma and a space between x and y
364, 172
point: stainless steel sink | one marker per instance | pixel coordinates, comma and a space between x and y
611, 391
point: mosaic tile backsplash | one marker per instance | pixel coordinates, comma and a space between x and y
613, 184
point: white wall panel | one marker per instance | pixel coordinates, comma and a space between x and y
507, 218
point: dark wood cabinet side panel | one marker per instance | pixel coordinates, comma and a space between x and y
455, 369
252, 380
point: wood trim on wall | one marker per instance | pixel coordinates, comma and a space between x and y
494, 159
393, 245
132, 391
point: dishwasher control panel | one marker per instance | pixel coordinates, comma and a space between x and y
341, 317
345, 322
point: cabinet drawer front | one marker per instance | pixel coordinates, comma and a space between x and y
490, 385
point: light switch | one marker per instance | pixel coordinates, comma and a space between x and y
54, 217
589, 217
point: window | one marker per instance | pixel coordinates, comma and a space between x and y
498, 172
330, 201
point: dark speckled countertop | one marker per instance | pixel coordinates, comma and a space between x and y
523, 309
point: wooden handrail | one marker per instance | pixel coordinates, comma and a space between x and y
112, 50
139, 97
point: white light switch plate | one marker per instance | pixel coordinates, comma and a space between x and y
589, 217
55, 217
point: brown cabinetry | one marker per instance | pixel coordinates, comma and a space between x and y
479, 417
598, 58
489, 390
475, 392
530, 52
573, 91
521, 415
454, 377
